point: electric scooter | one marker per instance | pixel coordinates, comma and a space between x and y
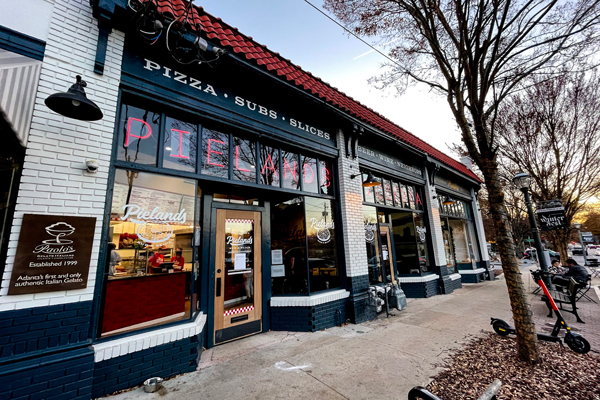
576, 342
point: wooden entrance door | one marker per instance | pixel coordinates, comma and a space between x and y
237, 275
386, 253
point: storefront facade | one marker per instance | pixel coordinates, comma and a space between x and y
227, 202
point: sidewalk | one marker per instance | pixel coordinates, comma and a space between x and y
380, 359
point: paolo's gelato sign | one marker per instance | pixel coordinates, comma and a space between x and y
53, 253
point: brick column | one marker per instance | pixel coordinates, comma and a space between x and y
447, 283
481, 242
355, 250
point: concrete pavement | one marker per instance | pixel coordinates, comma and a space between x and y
380, 359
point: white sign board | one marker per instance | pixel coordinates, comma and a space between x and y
239, 261
277, 271
277, 256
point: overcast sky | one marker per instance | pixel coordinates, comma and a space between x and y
301, 34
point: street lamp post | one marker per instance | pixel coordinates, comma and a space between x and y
578, 227
523, 182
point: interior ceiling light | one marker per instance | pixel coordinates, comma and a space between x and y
74, 103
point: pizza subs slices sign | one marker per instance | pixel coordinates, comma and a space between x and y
53, 253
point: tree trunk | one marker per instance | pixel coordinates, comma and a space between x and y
527, 343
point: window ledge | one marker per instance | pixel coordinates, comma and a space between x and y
454, 276
471, 271
418, 279
309, 301
131, 344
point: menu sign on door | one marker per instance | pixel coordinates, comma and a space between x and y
53, 253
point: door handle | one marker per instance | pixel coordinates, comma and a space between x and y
218, 287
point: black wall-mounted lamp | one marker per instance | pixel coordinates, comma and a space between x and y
369, 182
448, 201
74, 103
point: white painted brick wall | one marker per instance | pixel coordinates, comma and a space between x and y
352, 213
54, 181
435, 225
478, 219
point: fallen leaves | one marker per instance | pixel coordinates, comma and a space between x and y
561, 374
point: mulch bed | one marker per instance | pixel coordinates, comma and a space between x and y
562, 374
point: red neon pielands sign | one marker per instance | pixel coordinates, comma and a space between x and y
129, 134
179, 155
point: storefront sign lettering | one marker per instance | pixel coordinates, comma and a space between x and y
238, 241
53, 253
322, 227
239, 101
389, 160
154, 225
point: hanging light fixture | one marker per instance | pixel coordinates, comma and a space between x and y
369, 182
74, 103
449, 200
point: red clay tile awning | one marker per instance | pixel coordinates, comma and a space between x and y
244, 46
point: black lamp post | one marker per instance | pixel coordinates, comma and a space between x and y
74, 103
523, 182
577, 226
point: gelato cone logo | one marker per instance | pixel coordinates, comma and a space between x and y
58, 244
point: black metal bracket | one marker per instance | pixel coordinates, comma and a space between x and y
103, 11
352, 141
432, 170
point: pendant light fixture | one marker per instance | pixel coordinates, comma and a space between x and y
369, 182
74, 103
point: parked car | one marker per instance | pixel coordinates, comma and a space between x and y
577, 249
592, 250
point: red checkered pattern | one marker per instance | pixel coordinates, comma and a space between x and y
238, 310
240, 221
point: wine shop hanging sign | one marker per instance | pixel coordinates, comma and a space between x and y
53, 253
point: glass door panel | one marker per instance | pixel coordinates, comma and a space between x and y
237, 275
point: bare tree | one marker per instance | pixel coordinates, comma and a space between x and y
476, 53
551, 130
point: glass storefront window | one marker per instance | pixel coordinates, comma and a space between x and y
244, 160
404, 193
181, 145
372, 243
326, 184
291, 171
289, 238
379, 196
369, 193
418, 199
215, 153
459, 241
448, 243
397, 196
322, 246
405, 243
421, 235
387, 190
138, 135
411, 197
269, 170
153, 235
473, 247
309, 175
